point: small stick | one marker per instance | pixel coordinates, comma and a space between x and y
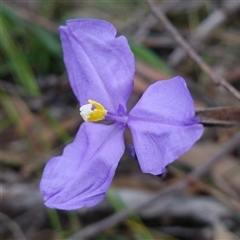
219, 116
208, 25
218, 80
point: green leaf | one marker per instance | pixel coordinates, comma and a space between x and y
20, 66
51, 43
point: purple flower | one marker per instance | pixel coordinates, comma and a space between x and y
101, 70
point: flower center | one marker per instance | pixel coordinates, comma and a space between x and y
94, 112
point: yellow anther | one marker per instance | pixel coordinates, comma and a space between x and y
98, 113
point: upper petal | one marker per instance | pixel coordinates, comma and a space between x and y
83, 173
163, 125
100, 66
166, 101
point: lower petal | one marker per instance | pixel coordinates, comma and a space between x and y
163, 124
83, 173
157, 144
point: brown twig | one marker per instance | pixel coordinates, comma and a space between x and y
224, 150
150, 20
208, 25
218, 80
219, 116
116, 218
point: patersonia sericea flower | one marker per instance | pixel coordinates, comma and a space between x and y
101, 69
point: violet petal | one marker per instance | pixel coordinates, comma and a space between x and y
100, 66
83, 173
163, 125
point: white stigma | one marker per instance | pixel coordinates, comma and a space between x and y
85, 111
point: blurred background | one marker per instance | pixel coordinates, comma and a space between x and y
39, 116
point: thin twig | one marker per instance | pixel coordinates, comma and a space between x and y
219, 116
150, 20
224, 150
208, 25
116, 218
216, 18
218, 80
